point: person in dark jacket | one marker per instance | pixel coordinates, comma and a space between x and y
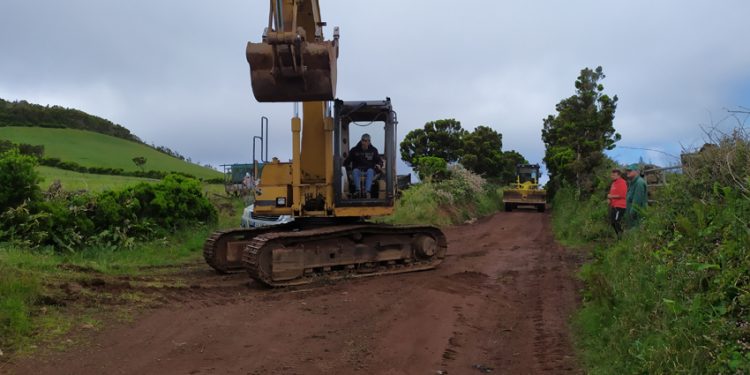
364, 158
637, 197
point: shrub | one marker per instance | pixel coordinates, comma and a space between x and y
726, 162
18, 179
463, 185
462, 196
114, 218
431, 168
6, 145
214, 180
50, 162
36, 151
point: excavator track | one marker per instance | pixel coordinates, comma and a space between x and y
285, 258
223, 250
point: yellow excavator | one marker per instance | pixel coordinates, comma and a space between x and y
526, 190
329, 237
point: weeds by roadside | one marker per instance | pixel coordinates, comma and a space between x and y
453, 200
673, 296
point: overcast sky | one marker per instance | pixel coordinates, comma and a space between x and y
175, 74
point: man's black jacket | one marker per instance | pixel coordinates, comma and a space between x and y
363, 159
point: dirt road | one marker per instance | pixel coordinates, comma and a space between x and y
498, 304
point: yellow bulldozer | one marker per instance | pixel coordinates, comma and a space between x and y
525, 191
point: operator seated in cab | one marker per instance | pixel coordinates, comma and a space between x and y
364, 158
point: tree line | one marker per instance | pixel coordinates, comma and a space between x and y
575, 141
71, 221
23, 113
445, 141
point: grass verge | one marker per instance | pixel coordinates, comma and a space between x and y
673, 295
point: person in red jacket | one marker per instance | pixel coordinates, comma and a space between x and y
617, 204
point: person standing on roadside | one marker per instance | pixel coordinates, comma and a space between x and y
617, 202
637, 197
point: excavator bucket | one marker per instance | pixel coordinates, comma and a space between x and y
293, 72
519, 196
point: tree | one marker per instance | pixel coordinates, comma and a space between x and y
19, 181
483, 152
441, 138
575, 139
479, 151
483, 155
139, 161
508, 170
431, 168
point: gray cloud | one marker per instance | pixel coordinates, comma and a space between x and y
174, 72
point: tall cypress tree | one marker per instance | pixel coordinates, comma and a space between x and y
575, 138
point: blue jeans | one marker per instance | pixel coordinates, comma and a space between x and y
356, 175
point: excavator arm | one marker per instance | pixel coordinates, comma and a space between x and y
293, 62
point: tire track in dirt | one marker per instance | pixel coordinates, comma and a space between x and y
500, 301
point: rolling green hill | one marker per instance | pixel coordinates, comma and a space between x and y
91, 149
23, 113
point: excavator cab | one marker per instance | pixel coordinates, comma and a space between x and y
350, 119
527, 173
293, 62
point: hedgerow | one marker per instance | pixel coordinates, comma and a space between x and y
70, 221
673, 296
73, 166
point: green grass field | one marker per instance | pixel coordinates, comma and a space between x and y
72, 181
97, 150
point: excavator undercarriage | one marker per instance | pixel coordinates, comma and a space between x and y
288, 254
